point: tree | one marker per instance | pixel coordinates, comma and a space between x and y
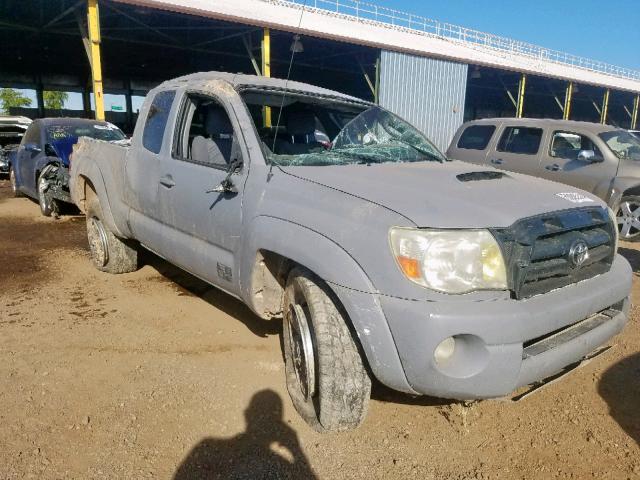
11, 98
54, 100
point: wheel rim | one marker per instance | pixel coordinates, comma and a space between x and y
42, 194
301, 347
628, 219
98, 241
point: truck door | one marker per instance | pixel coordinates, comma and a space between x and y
204, 225
574, 158
30, 150
517, 150
143, 170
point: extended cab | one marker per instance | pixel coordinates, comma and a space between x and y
600, 159
382, 257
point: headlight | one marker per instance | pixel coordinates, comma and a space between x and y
450, 261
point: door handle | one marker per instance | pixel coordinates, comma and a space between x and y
553, 167
167, 181
496, 161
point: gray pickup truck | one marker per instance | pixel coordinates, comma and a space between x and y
383, 258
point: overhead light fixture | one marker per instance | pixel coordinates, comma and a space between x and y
296, 45
475, 73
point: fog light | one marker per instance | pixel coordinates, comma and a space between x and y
444, 351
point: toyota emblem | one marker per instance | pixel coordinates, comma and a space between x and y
578, 253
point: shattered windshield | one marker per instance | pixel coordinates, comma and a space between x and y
623, 144
321, 132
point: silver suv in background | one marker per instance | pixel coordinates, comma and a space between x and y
600, 159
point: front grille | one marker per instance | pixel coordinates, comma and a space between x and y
543, 253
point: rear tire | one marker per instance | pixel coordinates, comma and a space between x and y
14, 185
628, 218
325, 372
108, 253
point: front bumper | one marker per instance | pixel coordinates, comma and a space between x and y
489, 358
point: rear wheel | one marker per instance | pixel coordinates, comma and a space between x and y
628, 218
326, 376
108, 253
14, 185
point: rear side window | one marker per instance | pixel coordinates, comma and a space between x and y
476, 137
521, 140
157, 121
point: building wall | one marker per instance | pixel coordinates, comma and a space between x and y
427, 92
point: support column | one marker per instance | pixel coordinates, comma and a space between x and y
605, 107
634, 115
376, 93
568, 96
266, 70
40, 98
93, 21
129, 105
521, 89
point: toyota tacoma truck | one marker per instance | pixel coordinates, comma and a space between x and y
383, 259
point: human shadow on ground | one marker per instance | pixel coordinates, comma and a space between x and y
620, 388
187, 284
267, 449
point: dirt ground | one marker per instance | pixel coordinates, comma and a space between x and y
156, 375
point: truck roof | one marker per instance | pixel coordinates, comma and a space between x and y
240, 80
545, 122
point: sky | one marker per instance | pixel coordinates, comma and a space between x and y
606, 30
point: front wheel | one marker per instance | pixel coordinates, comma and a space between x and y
628, 218
326, 376
48, 204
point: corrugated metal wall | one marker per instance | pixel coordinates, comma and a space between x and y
429, 93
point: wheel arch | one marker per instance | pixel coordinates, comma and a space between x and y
275, 246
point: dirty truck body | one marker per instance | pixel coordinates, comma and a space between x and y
327, 239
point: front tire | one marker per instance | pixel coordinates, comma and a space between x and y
326, 377
628, 218
14, 184
108, 253
48, 204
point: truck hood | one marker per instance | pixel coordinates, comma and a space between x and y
450, 195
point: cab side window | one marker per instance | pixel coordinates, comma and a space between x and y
206, 134
476, 137
156, 122
522, 140
568, 145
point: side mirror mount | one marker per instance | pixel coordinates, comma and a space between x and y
227, 185
589, 156
32, 147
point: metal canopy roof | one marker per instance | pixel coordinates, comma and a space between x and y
366, 24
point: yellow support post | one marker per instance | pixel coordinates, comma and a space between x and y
605, 107
266, 70
567, 101
521, 88
93, 19
634, 116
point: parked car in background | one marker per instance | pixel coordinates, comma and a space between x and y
600, 159
381, 256
41, 166
11, 132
